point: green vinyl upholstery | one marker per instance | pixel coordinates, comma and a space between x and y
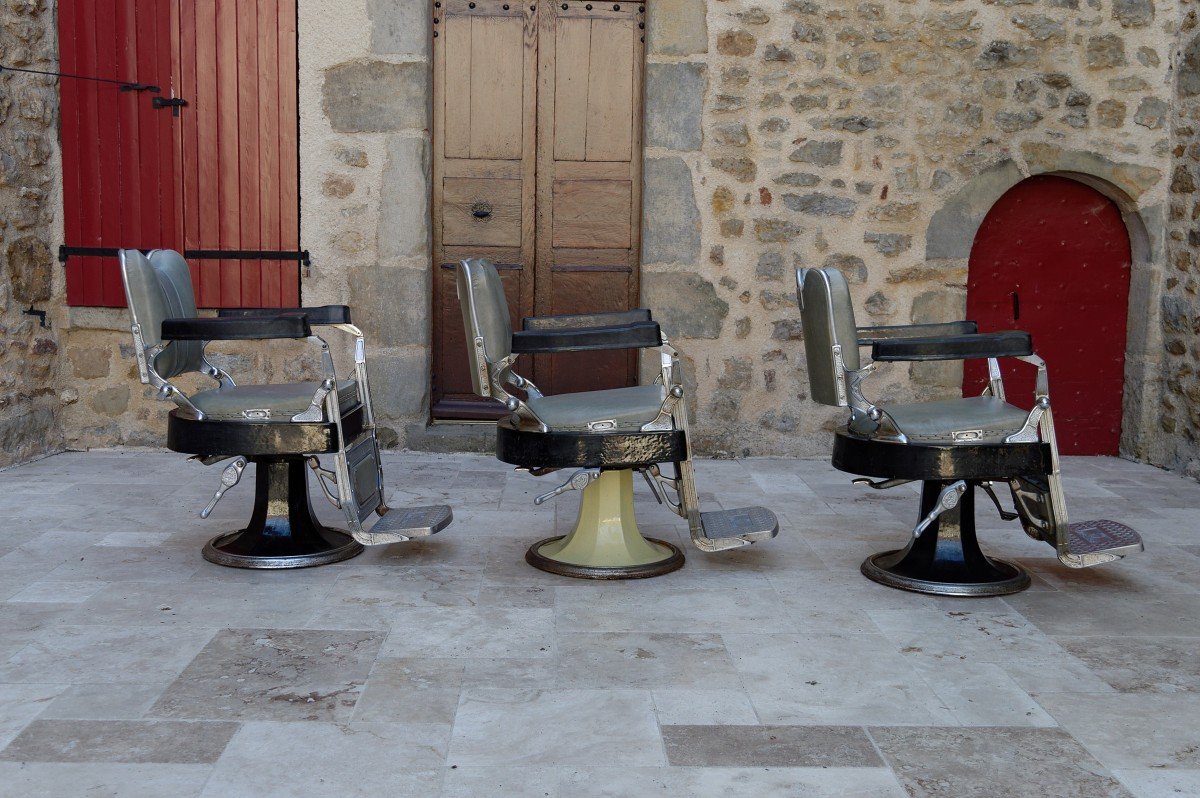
937, 422
629, 408
283, 400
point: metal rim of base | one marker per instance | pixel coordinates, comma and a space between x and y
213, 553
1017, 580
672, 562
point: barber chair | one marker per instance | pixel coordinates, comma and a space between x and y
952, 446
282, 428
605, 435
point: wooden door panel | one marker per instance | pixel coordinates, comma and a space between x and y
497, 85
591, 288
610, 90
592, 213
485, 71
464, 197
1052, 257
572, 57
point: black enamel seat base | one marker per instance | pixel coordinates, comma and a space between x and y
249, 438
611, 450
282, 532
946, 559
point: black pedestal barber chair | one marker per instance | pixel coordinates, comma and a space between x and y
281, 428
953, 446
607, 435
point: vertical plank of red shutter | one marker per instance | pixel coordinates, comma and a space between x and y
109, 129
268, 147
167, 130
134, 36
228, 170
92, 195
289, 152
248, 132
69, 100
203, 219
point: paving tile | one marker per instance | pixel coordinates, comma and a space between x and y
1132, 730
1141, 664
96, 654
638, 659
327, 760
411, 691
1158, 783
576, 782
704, 609
834, 679
371, 598
471, 632
199, 603
58, 592
769, 746
497, 726
993, 763
982, 636
1105, 614
100, 780
273, 674
128, 564
21, 703
104, 701
703, 707
129, 741
981, 693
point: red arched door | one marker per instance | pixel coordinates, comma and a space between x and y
1052, 258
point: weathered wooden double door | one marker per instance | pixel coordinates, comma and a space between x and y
537, 166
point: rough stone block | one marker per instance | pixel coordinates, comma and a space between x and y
391, 305
818, 204
376, 96
686, 305
90, 362
28, 266
399, 385
1133, 13
671, 220
399, 26
404, 200
676, 27
1105, 51
674, 102
819, 153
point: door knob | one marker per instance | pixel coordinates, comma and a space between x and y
481, 210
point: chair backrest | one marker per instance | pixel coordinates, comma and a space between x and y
485, 314
827, 316
159, 287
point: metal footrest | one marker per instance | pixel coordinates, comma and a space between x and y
1095, 542
399, 524
728, 529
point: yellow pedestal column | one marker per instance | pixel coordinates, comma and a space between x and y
606, 542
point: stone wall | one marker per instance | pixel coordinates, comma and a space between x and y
873, 137
29, 190
1179, 423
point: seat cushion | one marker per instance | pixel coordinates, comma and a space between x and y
937, 422
628, 408
284, 400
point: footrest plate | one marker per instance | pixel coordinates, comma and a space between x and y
399, 524
739, 527
1095, 542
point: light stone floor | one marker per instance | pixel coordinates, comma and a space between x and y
131, 667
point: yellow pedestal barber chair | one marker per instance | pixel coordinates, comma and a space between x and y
282, 428
952, 446
606, 435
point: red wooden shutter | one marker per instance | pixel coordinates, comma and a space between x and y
117, 150
222, 175
240, 140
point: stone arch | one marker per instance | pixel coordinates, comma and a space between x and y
951, 233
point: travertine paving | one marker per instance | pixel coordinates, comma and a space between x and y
131, 667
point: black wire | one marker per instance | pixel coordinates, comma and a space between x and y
124, 84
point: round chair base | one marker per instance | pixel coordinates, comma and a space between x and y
232, 549
1009, 578
673, 561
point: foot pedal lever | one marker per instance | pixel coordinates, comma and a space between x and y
946, 500
882, 484
577, 481
1004, 514
399, 524
231, 476
731, 529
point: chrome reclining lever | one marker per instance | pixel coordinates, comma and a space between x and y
946, 500
882, 484
231, 476
577, 481
990, 491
